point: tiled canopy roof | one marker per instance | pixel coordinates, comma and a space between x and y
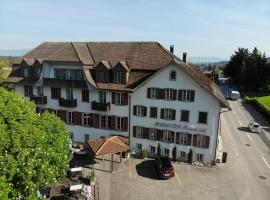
108, 145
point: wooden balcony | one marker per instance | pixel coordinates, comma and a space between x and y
100, 106
70, 103
39, 100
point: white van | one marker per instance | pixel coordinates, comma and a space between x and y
235, 95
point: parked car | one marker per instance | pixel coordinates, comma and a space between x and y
164, 167
235, 95
255, 127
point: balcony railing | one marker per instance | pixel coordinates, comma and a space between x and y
101, 106
39, 100
70, 103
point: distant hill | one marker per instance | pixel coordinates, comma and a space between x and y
15, 52
205, 60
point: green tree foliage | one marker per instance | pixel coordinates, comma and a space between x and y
34, 149
248, 69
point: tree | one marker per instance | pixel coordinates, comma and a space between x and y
34, 150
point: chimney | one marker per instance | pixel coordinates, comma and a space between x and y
171, 48
185, 57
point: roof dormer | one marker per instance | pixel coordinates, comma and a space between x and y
121, 72
102, 71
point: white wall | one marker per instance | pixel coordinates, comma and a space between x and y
204, 101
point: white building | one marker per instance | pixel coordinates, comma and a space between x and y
135, 89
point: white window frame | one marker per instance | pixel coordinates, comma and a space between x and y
119, 77
153, 93
103, 121
169, 94
166, 152
152, 149
119, 98
152, 134
183, 138
200, 142
183, 155
69, 93
26, 72
120, 123
200, 157
140, 111
70, 117
86, 117
56, 113
102, 97
139, 131
138, 146
168, 114
166, 136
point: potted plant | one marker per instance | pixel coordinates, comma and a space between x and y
144, 153
92, 177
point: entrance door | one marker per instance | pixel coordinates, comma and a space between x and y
190, 155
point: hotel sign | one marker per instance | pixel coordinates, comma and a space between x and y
181, 127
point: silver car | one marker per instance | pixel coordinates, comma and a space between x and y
254, 127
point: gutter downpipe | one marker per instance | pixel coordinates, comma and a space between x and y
129, 111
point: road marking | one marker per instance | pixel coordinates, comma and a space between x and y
249, 137
266, 162
129, 168
177, 179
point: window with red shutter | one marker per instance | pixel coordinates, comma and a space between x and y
161, 93
174, 94
173, 114
113, 123
194, 140
126, 99
77, 118
162, 113
192, 95
146, 133
135, 110
85, 95
125, 124
96, 120
177, 137
145, 111
153, 112
92, 120
113, 97
148, 92
184, 115
189, 139
207, 139
55, 93
134, 131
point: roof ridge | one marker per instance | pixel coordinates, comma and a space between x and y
106, 140
77, 54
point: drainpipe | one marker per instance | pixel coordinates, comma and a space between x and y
218, 130
129, 111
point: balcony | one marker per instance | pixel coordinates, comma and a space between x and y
39, 100
70, 103
101, 106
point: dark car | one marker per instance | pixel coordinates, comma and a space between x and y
164, 167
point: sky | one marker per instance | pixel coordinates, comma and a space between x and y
201, 28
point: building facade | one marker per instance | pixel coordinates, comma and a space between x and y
134, 89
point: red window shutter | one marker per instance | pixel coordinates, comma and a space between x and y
148, 92
161, 93
135, 110
91, 120
58, 93
153, 112
207, 138
113, 125
189, 139
126, 99
173, 114
96, 120
134, 131
63, 115
192, 95
194, 140
146, 133
174, 94
177, 137
159, 135
172, 137
144, 111
77, 118
113, 97
180, 95
85, 95
162, 113
126, 124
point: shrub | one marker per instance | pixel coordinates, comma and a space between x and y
92, 176
144, 153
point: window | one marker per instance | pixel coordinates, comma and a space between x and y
183, 138
75, 74
167, 136
169, 94
39, 91
37, 72
140, 111
102, 97
119, 77
103, 121
70, 118
182, 155
200, 157
138, 146
85, 95
153, 93
153, 112
68, 74
120, 123
56, 113
86, 137
101, 76
69, 93
186, 95
172, 76
203, 117
55, 93
152, 134
184, 115
28, 91
166, 152
152, 149
139, 131
86, 117
200, 141
168, 114
25, 72
119, 98
60, 74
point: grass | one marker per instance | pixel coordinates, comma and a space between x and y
264, 102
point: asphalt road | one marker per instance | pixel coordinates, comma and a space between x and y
248, 167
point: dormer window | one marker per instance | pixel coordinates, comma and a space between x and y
101, 76
119, 77
172, 76
25, 72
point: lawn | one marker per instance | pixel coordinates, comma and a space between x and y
264, 102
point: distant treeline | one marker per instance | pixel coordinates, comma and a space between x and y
7, 61
248, 69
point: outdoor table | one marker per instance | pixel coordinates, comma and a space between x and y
76, 171
76, 187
